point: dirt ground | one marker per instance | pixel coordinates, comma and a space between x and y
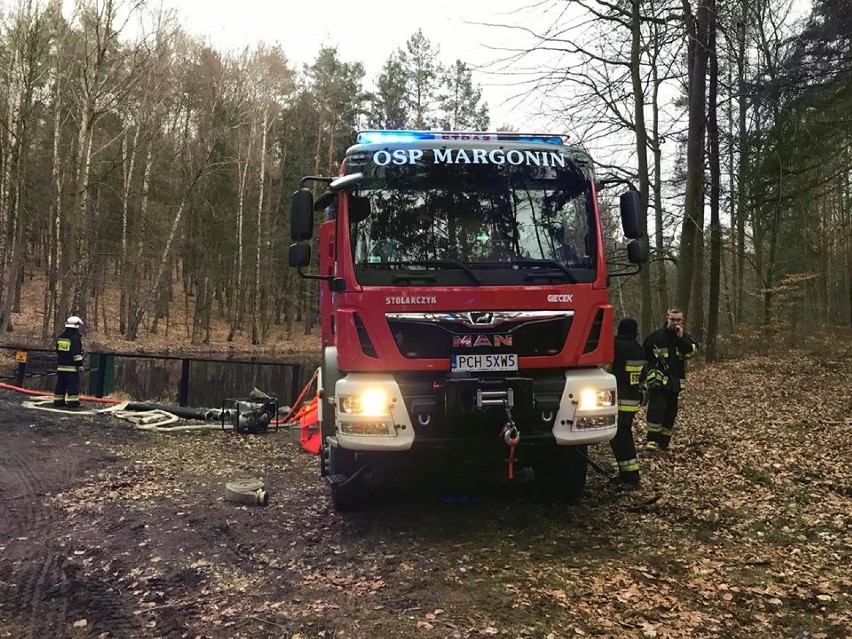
742, 530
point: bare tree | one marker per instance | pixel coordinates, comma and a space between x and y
715, 189
29, 42
697, 33
604, 95
108, 72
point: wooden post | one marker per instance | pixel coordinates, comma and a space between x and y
21, 358
183, 392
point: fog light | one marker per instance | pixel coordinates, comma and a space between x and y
350, 405
601, 421
367, 429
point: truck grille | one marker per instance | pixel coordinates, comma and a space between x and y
430, 335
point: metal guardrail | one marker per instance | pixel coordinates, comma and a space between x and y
105, 360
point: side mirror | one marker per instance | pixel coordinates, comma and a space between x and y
637, 251
301, 216
300, 254
630, 220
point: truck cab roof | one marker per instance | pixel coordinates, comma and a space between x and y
373, 140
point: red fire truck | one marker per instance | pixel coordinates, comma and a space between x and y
463, 293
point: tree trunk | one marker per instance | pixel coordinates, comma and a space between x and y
641, 151
11, 142
742, 172
659, 239
128, 156
81, 238
164, 259
136, 273
694, 157
256, 334
715, 190
55, 230
238, 266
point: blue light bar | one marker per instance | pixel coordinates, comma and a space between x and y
380, 137
389, 137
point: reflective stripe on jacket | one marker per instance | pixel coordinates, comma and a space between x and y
628, 366
667, 353
69, 350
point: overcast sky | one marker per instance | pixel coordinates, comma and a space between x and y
367, 31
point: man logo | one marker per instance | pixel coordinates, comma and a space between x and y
474, 341
479, 318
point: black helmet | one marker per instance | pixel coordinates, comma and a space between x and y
628, 327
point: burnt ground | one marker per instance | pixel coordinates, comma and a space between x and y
743, 530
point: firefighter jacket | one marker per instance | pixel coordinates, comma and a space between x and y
666, 354
628, 367
69, 351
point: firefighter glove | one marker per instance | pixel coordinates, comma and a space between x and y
656, 380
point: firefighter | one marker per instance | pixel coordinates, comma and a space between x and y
666, 351
629, 370
69, 359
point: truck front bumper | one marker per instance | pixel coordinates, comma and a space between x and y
378, 412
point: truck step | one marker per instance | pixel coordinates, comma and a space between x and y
335, 479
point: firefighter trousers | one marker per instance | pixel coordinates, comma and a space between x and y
662, 412
67, 391
624, 448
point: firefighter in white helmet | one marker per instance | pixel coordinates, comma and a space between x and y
69, 359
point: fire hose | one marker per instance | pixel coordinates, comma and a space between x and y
247, 491
27, 391
298, 403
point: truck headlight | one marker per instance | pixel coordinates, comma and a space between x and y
371, 402
590, 399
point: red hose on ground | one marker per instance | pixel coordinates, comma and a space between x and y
27, 391
108, 400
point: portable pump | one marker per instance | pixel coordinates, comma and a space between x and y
251, 415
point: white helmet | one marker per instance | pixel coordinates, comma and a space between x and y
73, 322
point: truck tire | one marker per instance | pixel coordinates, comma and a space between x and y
329, 374
349, 496
560, 473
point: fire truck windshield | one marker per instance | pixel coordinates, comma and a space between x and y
502, 220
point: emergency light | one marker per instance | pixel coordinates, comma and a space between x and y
384, 137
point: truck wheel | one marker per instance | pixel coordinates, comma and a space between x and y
349, 496
561, 473
330, 374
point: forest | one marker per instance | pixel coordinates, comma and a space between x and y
140, 166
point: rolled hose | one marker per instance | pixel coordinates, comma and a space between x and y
247, 491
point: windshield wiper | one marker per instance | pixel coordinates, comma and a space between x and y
411, 277
441, 263
544, 263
